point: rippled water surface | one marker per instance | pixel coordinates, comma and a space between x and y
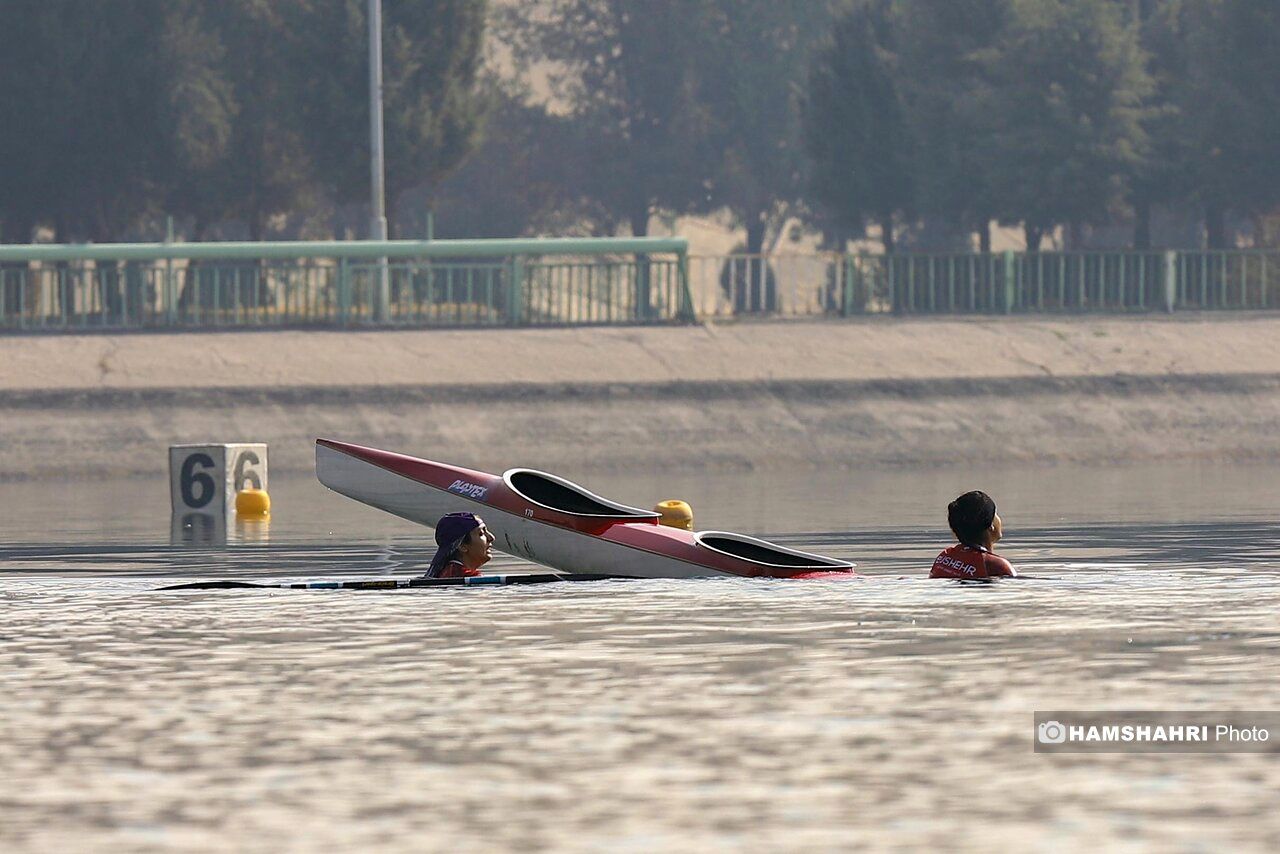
894, 712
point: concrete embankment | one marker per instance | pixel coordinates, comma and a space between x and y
750, 395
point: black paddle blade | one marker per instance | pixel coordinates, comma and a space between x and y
213, 585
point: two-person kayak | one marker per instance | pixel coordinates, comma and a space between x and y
554, 522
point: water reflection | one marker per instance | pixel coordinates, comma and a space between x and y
199, 529
195, 529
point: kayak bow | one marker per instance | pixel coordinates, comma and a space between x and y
557, 523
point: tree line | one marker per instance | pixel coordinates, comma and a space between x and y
220, 110
1048, 114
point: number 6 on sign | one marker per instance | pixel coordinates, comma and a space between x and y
197, 487
206, 478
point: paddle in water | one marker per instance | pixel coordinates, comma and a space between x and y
395, 583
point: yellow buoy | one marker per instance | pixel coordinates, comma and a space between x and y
253, 503
675, 514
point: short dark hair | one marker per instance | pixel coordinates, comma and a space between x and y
970, 515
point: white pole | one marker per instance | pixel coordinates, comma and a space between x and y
378, 220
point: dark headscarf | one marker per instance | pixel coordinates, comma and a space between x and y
451, 530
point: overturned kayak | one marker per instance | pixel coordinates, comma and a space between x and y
551, 521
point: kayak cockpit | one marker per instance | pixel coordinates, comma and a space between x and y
564, 496
766, 553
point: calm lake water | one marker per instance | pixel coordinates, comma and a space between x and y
716, 715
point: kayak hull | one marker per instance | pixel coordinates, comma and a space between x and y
553, 522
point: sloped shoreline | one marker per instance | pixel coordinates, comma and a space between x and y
695, 426
748, 397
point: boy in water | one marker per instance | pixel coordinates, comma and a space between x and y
977, 526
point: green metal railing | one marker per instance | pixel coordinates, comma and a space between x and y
993, 283
541, 282
401, 283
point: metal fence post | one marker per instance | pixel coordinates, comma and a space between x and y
1170, 280
515, 295
1142, 281
1262, 280
170, 292
1010, 273
859, 291
687, 313
344, 291
846, 270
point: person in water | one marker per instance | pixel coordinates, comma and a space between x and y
977, 526
464, 545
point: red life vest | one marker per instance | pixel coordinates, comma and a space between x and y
961, 561
454, 569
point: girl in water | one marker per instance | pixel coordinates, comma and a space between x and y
977, 526
463, 546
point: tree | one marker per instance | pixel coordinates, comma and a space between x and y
944, 47
516, 180
204, 109
625, 74
28, 138
433, 107
90, 104
263, 168
1069, 95
1230, 108
84, 105
1164, 176
751, 73
855, 127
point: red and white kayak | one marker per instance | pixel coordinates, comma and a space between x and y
551, 521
